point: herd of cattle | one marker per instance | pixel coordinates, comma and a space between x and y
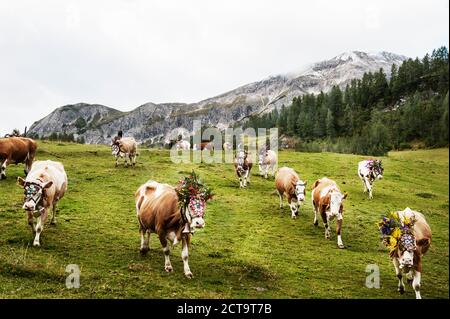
158, 210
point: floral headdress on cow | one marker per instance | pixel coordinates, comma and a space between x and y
396, 233
193, 193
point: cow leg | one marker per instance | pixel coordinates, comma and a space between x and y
145, 240
326, 224
364, 182
126, 159
166, 250
368, 186
117, 160
293, 207
3, 169
53, 220
398, 272
316, 221
185, 256
266, 173
338, 231
28, 163
416, 284
133, 160
39, 227
281, 199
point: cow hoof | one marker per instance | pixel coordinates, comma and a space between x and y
3, 177
341, 246
53, 222
168, 268
36, 244
189, 275
316, 223
401, 290
144, 250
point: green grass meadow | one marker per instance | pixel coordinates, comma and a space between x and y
249, 248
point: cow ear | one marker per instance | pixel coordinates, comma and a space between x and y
20, 181
47, 185
345, 195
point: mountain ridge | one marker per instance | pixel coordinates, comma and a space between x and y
153, 122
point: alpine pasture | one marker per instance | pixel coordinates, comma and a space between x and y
250, 248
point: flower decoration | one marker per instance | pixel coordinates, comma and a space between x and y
191, 191
395, 231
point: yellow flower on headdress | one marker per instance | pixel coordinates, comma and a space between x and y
396, 233
394, 215
407, 221
392, 243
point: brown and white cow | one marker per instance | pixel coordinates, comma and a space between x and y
44, 186
327, 200
407, 257
267, 160
289, 184
15, 150
243, 165
158, 212
208, 146
125, 147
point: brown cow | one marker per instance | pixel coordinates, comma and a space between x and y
44, 186
158, 211
208, 146
124, 147
407, 257
15, 150
243, 165
288, 183
327, 199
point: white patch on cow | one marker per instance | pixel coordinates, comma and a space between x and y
172, 236
339, 241
167, 263
335, 203
38, 229
416, 284
185, 257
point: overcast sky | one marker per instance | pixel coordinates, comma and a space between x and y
124, 53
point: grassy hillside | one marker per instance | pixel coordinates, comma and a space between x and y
249, 248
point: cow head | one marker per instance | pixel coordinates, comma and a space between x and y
378, 169
336, 199
196, 209
34, 193
300, 190
406, 248
115, 146
241, 156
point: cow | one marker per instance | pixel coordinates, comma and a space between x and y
327, 200
243, 165
15, 150
158, 211
124, 147
44, 186
183, 145
407, 256
267, 160
368, 172
288, 183
209, 146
